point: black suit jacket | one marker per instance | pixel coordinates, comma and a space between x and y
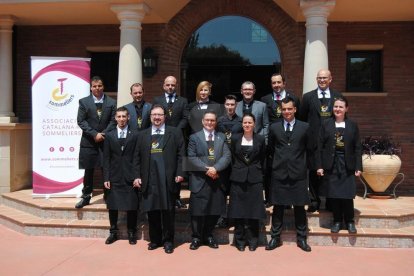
287, 156
252, 171
90, 153
179, 111
272, 106
326, 146
89, 121
118, 165
195, 114
310, 112
173, 152
132, 123
197, 159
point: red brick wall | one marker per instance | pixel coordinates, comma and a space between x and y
376, 115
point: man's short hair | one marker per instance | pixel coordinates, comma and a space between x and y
230, 97
248, 83
122, 109
96, 78
137, 84
289, 99
279, 74
154, 106
209, 111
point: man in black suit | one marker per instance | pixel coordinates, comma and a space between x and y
139, 109
273, 100
96, 116
316, 107
208, 156
158, 155
176, 115
273, 103
288, 143
119, 175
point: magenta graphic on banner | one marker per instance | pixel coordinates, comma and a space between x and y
57, 86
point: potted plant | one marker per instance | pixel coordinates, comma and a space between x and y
380, 161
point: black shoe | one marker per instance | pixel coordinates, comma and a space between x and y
351, 228
303, 245
211, 242
195, 244
274, 243
336, 227
312, 209
252, 247
83, 202
153, 245
113, 237
179, 204
168, 247
240, 247
132, 238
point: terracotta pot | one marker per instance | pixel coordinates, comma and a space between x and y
380, 170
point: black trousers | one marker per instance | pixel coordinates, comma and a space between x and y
203, 226
315, 182
246, 230
161, 225
342, 209
132, 218
88, 182
301, 222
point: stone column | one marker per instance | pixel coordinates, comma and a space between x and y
6, 70
316, 51
130, 53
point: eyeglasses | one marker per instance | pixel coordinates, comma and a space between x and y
157, 115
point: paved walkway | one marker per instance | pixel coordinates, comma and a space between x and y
30, 255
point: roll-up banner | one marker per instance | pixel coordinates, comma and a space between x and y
57, 85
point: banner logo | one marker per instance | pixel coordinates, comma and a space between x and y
58, 96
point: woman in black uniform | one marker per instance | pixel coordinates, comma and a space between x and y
339, 161
246, 191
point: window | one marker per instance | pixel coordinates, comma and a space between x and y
105, 65
364, 71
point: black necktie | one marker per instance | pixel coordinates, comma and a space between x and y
287, 127
170, 98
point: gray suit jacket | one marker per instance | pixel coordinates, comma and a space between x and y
259, 111
197, 158
146, 122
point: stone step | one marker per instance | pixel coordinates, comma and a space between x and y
63, 208
366, 237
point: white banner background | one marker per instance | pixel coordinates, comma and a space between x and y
57, 86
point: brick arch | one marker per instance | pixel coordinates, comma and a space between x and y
283, 29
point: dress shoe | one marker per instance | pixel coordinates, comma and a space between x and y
274, 243
312, 209
252, 247
240, 247
113, 237
168, 248
211, 242
336, 227
351, 228
179, 204
132, 238
195, 244
83, 202
303, 245
153, 245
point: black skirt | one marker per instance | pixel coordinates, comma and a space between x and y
289, 192
246, 201
339, 182
210, 200
122, 197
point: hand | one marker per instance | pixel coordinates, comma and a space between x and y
137, 183
358, 173
99, 137
107, 185
212, 173
319, 172
179, 179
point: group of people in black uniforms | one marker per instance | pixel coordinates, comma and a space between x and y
274, 145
